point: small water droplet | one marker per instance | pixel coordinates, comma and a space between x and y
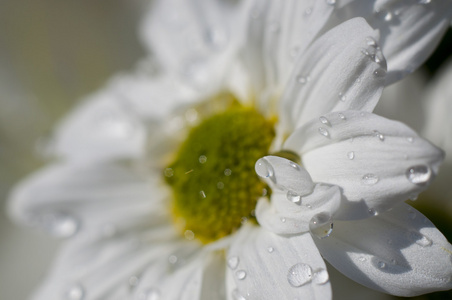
241, 274
321, 277
227, 172
294, 197
189, 235
381, 265
168, 172
372, 212
370, 179
283, 219
299, 274
75, 292
371, 41
202, 159
362, 259
237, 296
321, 225
341, 115
172, 259
425, 1
384, 15
270, 249
301, 79
351, 155
149, 294
293, 165
342, 97
59, 224
220, 185
202, 194
410, 139
379, 135
380, 72
308, 11
233, 262
324, 132
331, 2
419, 175
133, 281
365, 52
324, 121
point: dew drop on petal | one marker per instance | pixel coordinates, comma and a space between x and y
301, 79
299, 274
324, 132
241, 274
293, 197
189, 235
410, 139
293, 165
149, 294
351, 155
370, 179
133, 281
283, 220
362, 259
264, 169
321, 225
237, 296
380, 72
228, 172
381, 265
321, 277
75, 292
270, 249
425, 1
202, 159
371, 41
342, 97
324, 121
62, 225
341, 115
419, 175
331, 2
233, 262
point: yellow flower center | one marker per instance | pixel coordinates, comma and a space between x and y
215, 187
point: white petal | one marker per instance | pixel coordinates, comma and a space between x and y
278, 31
260, 266
101, 128
377, 162
193, 39
410, 30
285, 175
63, 199
341, 70
399, 252
290, 213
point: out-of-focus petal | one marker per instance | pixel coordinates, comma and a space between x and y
343, 69
377, 162
399, 252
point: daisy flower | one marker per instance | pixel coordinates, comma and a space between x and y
156, 180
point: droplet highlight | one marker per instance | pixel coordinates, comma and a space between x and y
299, 274
321, 225
419, 175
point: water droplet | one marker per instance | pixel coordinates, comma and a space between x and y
270, 249
241, 274
75, 292
299, 274
321, 225
149, 294
294, 197
351, 155
424, 241
384, 15
379, 135
331, 2
324, 132
321, 277
172, 259
342, 97
410, 139
202, 159
381, 265
372, 212
220, 185
365, 52
283, 219
189, 235
380, 72
202, 194
362, 259
233, 262
227, 172
370, 179
264, 169
59, 224
168, 172
425, 1
371, 41
308, 11
301, 79
341, 115
324, 120
419, 175
237, 296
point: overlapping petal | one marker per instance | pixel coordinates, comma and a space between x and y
398, 252
262, 265
343, 69
377, 162
409, 30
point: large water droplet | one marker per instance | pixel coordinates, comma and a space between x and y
419, 175
233, 262
75, 292
264, 169
299, 274
241, 274
370, 179
321, 276
294, 197
324, 132
372, 212
321, 225
61, 224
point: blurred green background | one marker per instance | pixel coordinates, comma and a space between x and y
52, 53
